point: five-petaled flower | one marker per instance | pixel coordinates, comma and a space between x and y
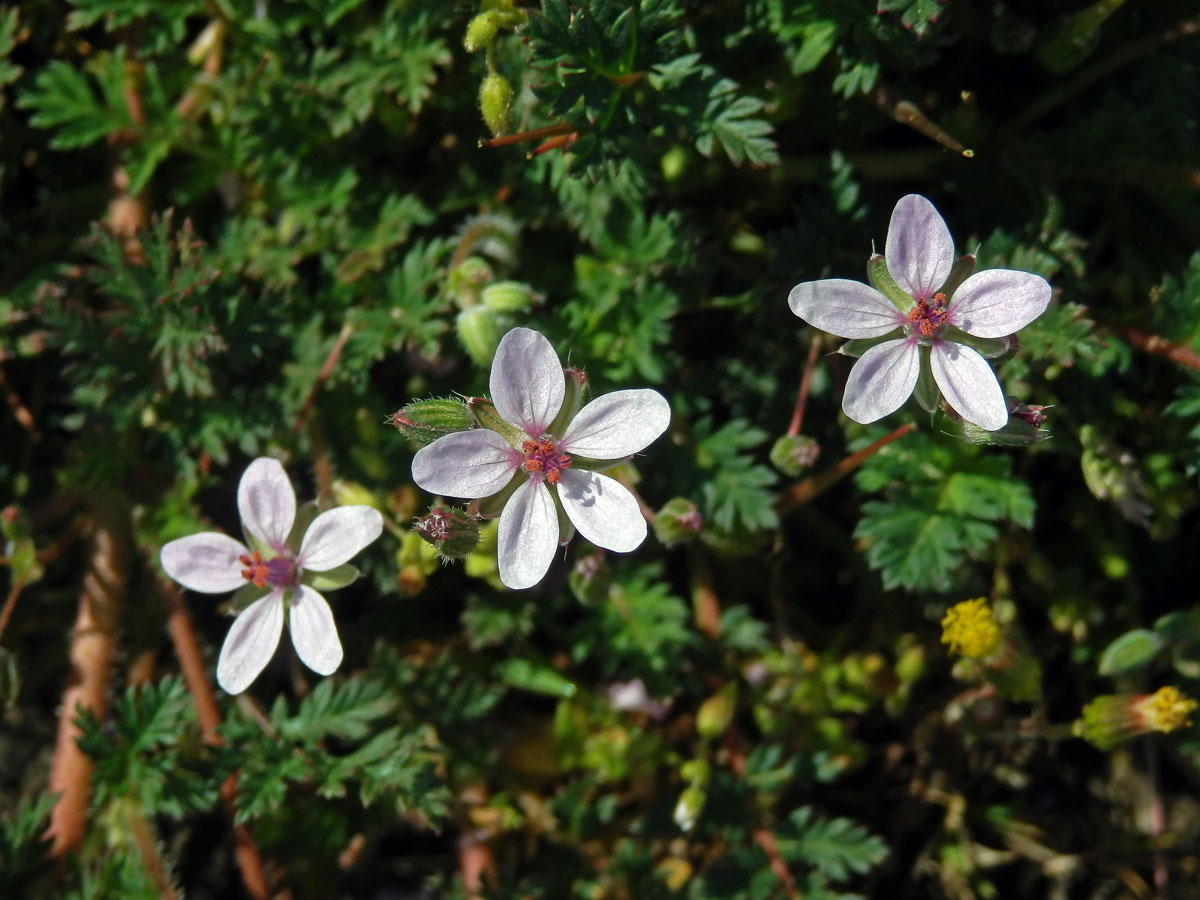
275, 573
544, 459
928, 316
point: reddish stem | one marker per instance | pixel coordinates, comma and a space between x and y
535, 134
191, 665
801, 493
20, 411
805, 379
9, 605
1159, 346
326, 370
93, 644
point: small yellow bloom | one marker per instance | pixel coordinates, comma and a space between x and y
1112, 718
971, 630
1166, 709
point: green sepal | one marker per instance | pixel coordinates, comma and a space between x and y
485, 414
962, 269
881, 279
243, 597
858, 346
481, 30
573, 399
479, 333
490, 507
1016, 433
305, 514
424, 421
566, 528
331, 579
988, 348
537, 677
927, 391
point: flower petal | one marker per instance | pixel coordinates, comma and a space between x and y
969, 385
251, 643
336, 535
998, 302
314, 634
528, 535
881, 380
617, 424
205, 562
849, 309
527, 382
602, 509
919, 251
468, 464
266, 502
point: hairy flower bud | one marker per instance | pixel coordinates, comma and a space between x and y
481, 30
792, 454
453, 532
717, 711
479, 333
679, 520
424, 421
590, 579
495, 102
467, 279
509, 297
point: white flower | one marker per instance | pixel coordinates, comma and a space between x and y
528, 388
919, 255
214, 563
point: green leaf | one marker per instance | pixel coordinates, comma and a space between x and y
64, 98
1130, 652
942, 507
839, 848
344, 709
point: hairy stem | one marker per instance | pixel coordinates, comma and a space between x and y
801, 493
93, 645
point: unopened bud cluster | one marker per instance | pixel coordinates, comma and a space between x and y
679, 520
495, 91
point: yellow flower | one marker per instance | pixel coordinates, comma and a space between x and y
971, 630
1165, 710
1113, 718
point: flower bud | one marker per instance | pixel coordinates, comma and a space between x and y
479, 333
467, 279
717, 711
495, 102
509, 297
481, 30
792, 454
351, 493
453, 532
689, 807
1112, 718
424, 421
679, 520
590, 579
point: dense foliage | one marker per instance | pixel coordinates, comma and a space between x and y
235, 229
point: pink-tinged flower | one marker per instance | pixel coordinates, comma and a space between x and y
926, 314
277, 571
545, 459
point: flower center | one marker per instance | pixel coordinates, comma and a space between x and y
928, 315
259, 572
543, 458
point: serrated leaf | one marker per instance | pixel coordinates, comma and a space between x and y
837, 847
